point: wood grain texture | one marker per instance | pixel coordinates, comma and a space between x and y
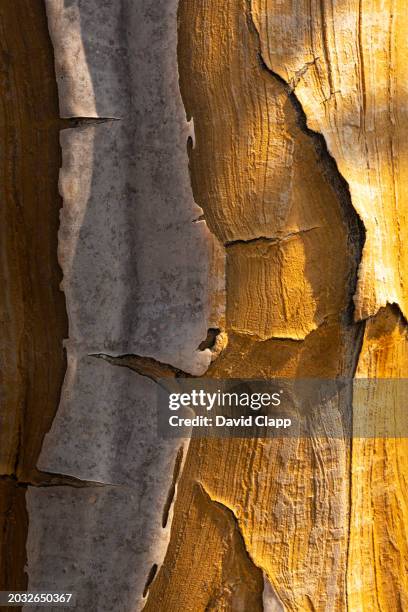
378, 554
271, 196
32, 311
258, 174
289, 497
33, 318
13, 529
345, 61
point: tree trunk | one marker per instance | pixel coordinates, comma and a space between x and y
233, 185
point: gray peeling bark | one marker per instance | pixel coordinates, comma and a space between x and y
141, 277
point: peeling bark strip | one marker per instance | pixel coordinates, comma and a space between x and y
170, 496
139, 277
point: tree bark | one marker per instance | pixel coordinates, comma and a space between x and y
232, 176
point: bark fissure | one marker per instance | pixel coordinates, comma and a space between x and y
329, 163
81, 122
233, 519
49, 479
145, 366
273, 240
150, 577
172, 489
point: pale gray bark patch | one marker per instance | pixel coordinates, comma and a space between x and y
138, 278
91, 542
106, 428
91, 56
136, 269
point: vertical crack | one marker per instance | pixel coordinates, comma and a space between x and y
150, 577
357, 231
172, 490
355, 361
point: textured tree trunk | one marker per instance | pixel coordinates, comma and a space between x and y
233, 207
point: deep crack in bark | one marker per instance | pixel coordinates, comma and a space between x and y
172, 489
357, 231
271, 240
145, 366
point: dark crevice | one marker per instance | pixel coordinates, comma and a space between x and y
355, 360
145, 366
329, 163
17, 458
358, 347
78, 122
211, 339
190, 145
150, 577
200, 218
257, 239
357, 231
172, 490
49, 479
270, 241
